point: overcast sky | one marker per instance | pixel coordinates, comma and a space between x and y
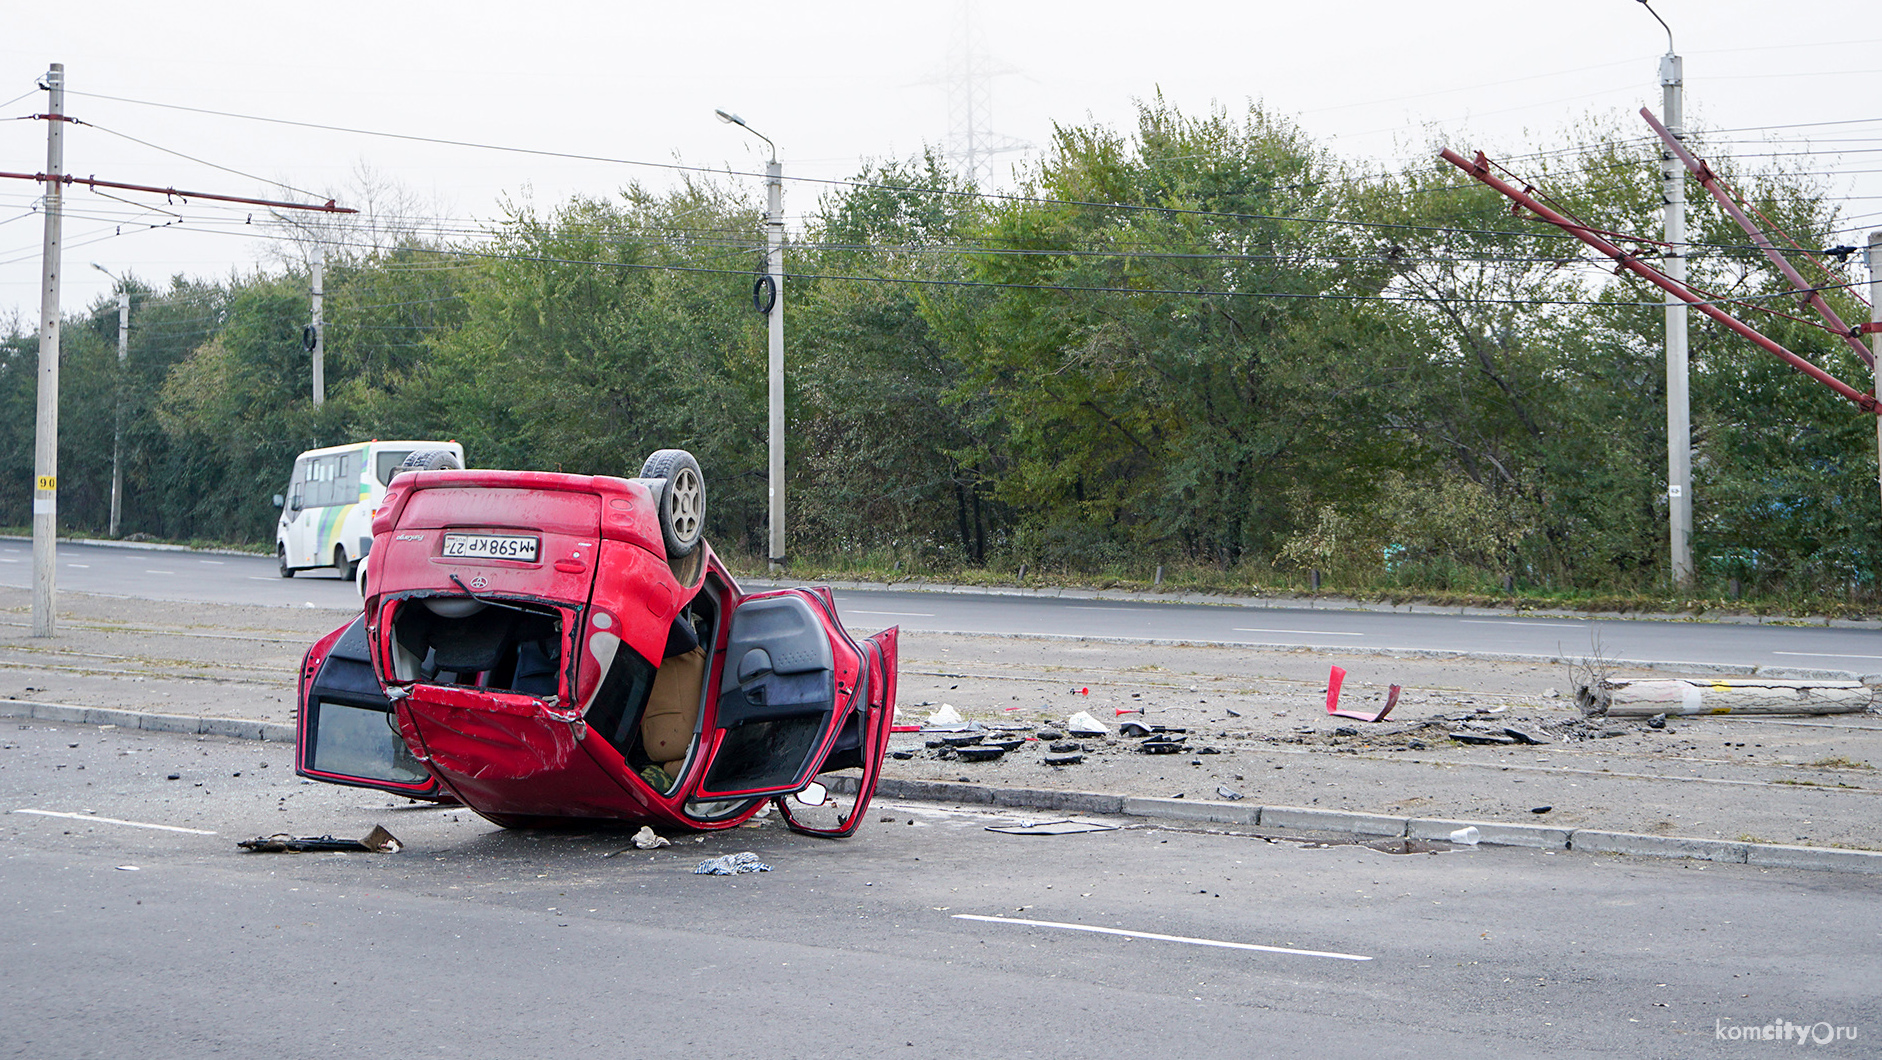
834, 83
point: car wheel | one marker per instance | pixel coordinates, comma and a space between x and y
360, 578
431, 460
281, 557
682, 499
349, 571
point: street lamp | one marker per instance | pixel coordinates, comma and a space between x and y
1678, 411
117, 410
774, 269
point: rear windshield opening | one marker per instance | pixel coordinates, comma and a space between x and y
461, 641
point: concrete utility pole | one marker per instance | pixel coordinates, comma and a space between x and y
774, 266
1875, 337
1678, 406
774, 270
319, 326
117, 403
46, 425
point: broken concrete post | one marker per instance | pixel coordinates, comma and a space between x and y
1624, 698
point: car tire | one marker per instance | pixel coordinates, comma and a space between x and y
681, 501
431, 460
347, 570
360, 569
281, 557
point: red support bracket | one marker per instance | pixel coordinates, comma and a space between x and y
1480, 169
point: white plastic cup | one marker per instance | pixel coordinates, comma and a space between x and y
1467, 835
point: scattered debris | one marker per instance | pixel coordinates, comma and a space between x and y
377, 841
1229, 793
1083, 724
985, 753
645, 839
1540, 809
1049, 734
731, 865
1658, 721
1064, 747
1162, 745
947, 715
1064, 759
1483, 738
1337, 678
1067, 827
1467, 835
1526, 736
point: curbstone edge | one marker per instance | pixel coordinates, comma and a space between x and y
1312, 820
1506, 835
1203, 810
1657, 846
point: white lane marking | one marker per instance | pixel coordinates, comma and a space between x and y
1537, 624
897, 614
1161, 938
1825, 655
212, 562
1301, 632
80, 566
1113, 607
114, 820
9, 561
257, 578
159, 572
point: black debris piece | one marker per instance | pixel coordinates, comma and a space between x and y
1484, 738
377, 841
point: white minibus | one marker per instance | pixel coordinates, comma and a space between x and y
326, 515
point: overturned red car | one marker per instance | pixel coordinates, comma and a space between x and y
549, 648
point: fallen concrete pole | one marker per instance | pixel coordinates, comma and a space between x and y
1624, 698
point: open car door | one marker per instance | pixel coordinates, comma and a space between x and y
791, 683
834, 805
347, 733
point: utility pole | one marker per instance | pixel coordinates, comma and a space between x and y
774, 271
1678, 405
117, 403
117, 411
319, 346
46, 423
1875, 334
774, 266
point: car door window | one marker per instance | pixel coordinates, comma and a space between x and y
776, 698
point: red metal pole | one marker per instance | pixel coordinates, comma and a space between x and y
1480, 169
1710, 181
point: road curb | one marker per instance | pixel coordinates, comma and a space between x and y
1311, 821
1312, 603
1305, 820
189, 724
145, 546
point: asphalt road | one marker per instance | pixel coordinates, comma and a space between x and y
175, 575
138, 928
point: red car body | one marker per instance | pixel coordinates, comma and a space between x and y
528, 648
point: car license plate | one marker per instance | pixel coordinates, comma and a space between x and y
490, 546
